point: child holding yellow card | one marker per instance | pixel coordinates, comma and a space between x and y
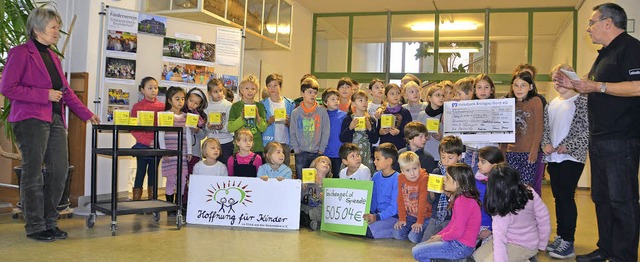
194, 106
360, 128
248, 114
278, 110
431, 117
144, 139
312, 196
218, 115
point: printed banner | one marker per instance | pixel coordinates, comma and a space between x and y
488, 120
345, 202
244, 202
122, 20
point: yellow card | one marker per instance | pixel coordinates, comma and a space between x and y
133, 121
280, 114
121, 117
165, 119
192, 120
362, 125
308, 175
250, 111
387, 120
146, 118
215, 118
436, 183
433, 125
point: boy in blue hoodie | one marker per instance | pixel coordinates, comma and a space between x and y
384, 198
331, 99
277, 130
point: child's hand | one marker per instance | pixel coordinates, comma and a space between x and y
416, 228
436, 136
218, 127
399, 225
280, 178
384, 131
189, 156
379, 112
435, 238
211, 126
484, 233
271, 120
548, 149
370, 218
562, 149
353, 124
367, 122
394, 131
195, 129
286, 121
264, 178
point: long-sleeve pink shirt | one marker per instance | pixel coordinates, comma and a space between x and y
530, 228
465, 222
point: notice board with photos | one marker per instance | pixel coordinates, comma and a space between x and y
175, 52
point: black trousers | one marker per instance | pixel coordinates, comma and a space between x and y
564, 180
614, 190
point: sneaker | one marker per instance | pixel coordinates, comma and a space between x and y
563, 251
553, 245
314, 225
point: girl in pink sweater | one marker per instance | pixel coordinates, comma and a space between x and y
458, 239
520, 218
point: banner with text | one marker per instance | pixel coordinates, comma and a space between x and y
488, 120
345, 202
244, 202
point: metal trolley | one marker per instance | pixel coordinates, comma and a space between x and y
114, 207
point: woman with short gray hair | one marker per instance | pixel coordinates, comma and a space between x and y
36, 85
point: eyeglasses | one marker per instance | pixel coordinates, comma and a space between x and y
591, 22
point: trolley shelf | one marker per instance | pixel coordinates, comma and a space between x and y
135, 207
136, 152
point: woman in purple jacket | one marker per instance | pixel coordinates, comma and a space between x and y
34, 82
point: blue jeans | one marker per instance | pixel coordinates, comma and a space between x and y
614, 190
145, 165
441, 249
405, 232
303, 160
42, 142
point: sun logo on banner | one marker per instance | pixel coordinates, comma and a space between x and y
228, 195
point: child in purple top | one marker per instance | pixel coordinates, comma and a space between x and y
520, 219
458, 239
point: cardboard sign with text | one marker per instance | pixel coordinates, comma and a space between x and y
345, 202
244, 202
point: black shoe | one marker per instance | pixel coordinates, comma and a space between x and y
44, 236
594, 256
58, 234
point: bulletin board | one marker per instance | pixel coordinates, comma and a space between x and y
175, 52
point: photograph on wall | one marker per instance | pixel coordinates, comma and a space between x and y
122, 41
122, 20
152, 24
186, 73
110, 111
230, 82
118, 97
120, 68
188, 50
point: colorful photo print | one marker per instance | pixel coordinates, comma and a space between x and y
120, 68
187, 73
230, 82
122, 41
118, 97
110, 111
188, 50
152, 24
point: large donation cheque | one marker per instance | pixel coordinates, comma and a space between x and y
345, 203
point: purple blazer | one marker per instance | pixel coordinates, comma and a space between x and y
26, 82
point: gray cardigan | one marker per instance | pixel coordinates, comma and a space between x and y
577, 141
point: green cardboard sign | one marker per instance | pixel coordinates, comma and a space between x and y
345, 202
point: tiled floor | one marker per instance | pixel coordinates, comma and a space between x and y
141, 239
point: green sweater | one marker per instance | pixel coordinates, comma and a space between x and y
236, 121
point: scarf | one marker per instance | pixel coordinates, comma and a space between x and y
394, 109
433, 112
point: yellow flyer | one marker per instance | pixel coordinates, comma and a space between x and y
280, 114
121, 117
250, 111
165, 119
215, 118
133, 121
387, 120
436, 183
433, 125
146, 118
192, 120
362, 125
308, 175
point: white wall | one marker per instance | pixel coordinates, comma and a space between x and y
292, 65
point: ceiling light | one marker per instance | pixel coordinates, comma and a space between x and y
455, 50
446, 26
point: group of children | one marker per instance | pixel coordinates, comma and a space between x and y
489, 199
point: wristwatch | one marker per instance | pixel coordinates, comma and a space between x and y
603, 87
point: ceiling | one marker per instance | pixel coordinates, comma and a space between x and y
350, 6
